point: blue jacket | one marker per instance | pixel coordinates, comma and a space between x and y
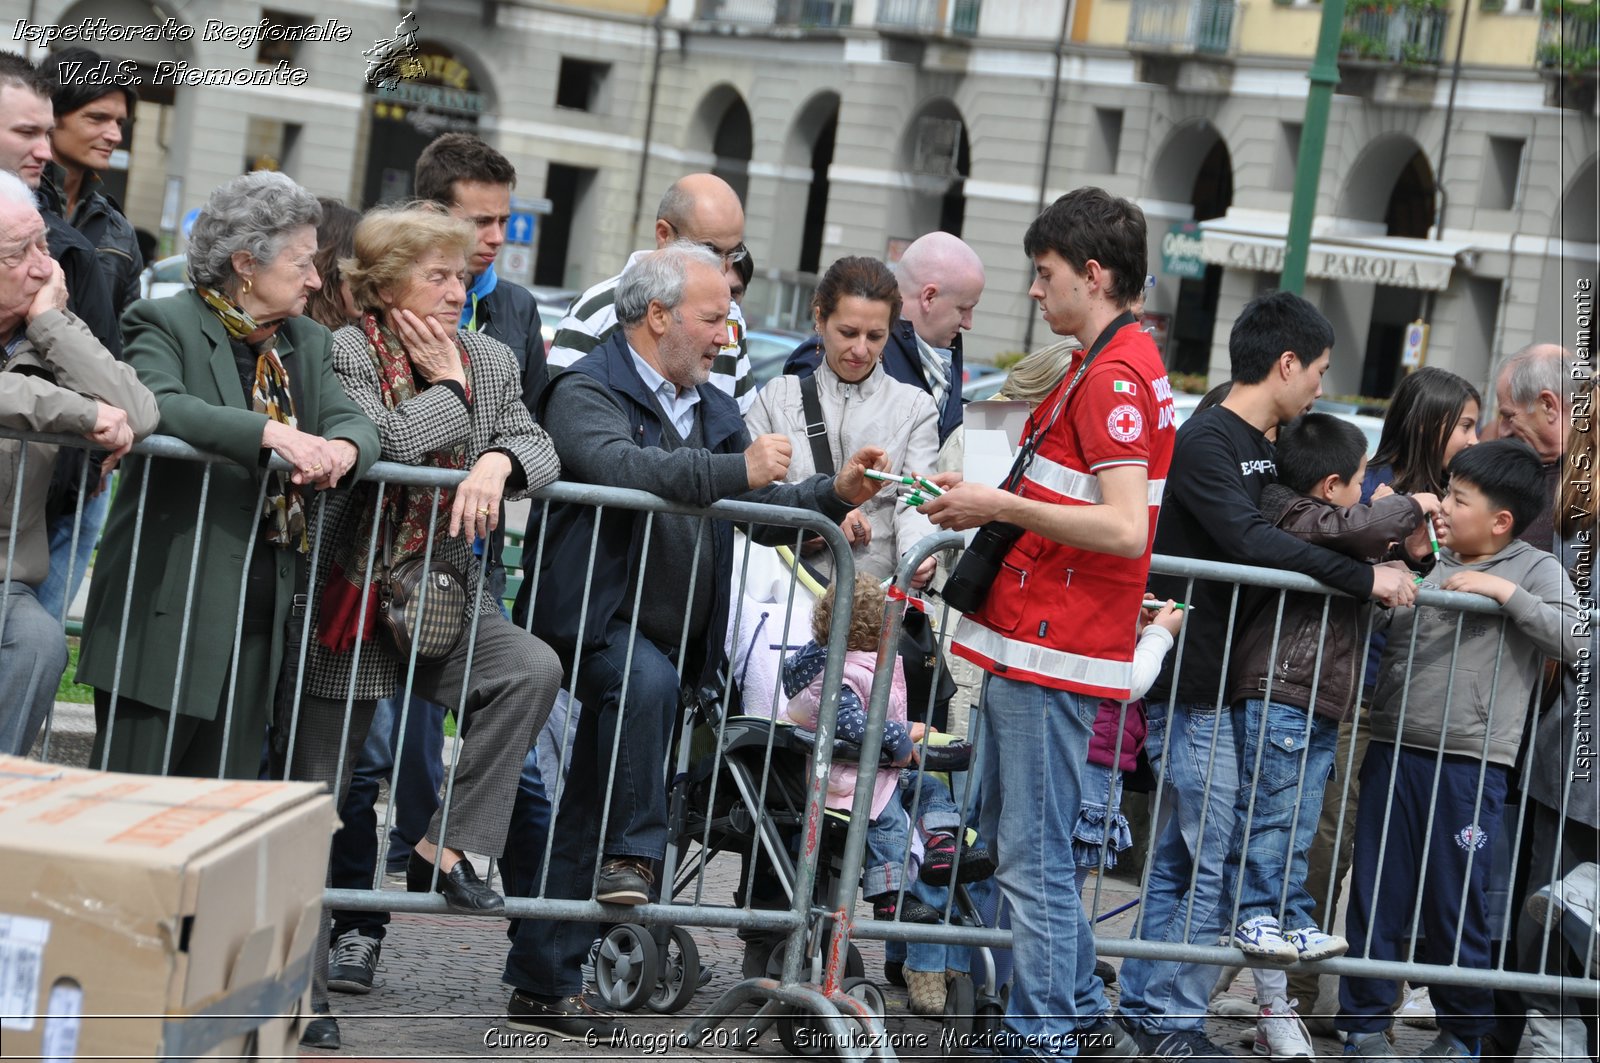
902, 362
594, 427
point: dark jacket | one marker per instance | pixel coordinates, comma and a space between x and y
608, 430
901, 361
510, 314
103, 224
88, 296
1368, 533
183, 355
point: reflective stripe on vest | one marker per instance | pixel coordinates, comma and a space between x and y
1078, 486
1041, 660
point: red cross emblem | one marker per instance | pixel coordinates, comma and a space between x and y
1125, 424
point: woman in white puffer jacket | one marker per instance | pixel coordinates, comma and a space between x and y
856, 304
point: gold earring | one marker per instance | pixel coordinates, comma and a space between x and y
246, 289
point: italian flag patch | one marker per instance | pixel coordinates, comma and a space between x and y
1125, 387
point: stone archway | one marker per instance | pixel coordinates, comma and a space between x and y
810, 145
937, 156
721, 127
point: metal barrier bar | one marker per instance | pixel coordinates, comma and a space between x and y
803, 919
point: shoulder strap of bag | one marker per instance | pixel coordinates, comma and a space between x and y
816, 427
1030, 446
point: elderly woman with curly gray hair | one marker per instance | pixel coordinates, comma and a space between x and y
238, 372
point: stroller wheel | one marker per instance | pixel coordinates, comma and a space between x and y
866, 991
988, 1018
854, 965
627, 967
680, 973
960, 1005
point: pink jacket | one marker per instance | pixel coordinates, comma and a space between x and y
859, 666
1103, 743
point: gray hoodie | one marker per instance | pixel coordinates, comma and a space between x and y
1540, 620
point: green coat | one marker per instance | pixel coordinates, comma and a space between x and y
182, 354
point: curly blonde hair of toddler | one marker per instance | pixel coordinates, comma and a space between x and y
866, 615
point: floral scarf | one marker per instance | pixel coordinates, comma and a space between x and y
407, 513
285, 515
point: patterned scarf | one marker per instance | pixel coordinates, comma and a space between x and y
935, 370
408, 513
285, 515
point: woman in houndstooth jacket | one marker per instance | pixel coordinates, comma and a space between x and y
447, 398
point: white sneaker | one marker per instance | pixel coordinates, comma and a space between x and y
1417, 1009
1280, 1033
1262, 937
1572, 895
1313, 944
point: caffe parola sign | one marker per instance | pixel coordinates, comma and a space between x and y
1397, 269
1180, 252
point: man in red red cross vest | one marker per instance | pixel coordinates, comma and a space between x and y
1056, 631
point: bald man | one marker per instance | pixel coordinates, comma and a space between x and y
703, 209
941, 281
1533, 393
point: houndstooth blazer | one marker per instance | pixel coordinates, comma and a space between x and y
432, 420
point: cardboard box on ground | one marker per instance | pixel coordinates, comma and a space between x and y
146, 917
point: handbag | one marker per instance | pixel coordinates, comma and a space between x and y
929, 684
432, 624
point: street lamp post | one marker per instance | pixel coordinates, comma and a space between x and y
1324, 76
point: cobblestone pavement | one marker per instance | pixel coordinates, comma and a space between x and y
439, 996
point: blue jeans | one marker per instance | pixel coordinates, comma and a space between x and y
1284, 820
546, 954
888, 843
1195, 754
1035, 742
936, 810
54, 593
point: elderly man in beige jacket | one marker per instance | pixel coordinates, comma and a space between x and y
54, 377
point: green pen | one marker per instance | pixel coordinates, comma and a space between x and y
1162, 605
1432, 538
915, 482
913, 499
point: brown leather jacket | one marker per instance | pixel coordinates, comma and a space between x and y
1370, 533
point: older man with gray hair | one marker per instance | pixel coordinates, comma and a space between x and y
639, 412
941, 280
54, 377
1533, 392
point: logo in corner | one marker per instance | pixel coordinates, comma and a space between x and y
1125, 424
392, 61
1472, 837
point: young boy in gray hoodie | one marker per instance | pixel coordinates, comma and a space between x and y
1452, 712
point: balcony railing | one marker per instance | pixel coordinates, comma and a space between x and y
1569, 39
956, 17
1412, 36
1204, 26
803, 14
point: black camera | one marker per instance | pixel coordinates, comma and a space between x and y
979, 564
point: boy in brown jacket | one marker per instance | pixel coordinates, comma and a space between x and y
1294, 678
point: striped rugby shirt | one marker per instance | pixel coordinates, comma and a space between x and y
592, 319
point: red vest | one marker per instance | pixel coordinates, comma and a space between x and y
1058, 615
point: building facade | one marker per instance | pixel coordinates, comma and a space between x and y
1466, 201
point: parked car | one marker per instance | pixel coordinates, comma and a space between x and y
164, 277
985, 385
553, 306
769, 349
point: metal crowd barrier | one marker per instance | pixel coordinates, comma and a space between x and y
1553, 983
783, 999
818, 929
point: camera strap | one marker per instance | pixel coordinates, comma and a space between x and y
1030, 446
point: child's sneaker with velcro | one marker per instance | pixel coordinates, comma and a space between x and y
1261, 937
1312, 944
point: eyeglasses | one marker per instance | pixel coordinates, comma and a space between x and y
731, 257
13, 259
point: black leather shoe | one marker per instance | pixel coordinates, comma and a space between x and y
567, 1016
321, 1032
463, 890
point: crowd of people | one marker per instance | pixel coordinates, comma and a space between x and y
248, 619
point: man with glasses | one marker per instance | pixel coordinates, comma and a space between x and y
54, 377
703, 209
